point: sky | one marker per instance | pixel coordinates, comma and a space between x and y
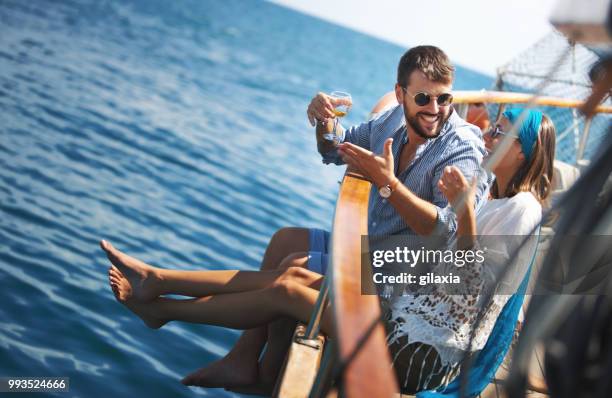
479, 34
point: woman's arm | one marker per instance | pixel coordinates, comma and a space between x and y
461, 195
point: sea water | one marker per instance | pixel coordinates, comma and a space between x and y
175, 129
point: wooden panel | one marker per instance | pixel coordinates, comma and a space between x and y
301, 367
369, 374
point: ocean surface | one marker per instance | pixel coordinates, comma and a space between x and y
174, 129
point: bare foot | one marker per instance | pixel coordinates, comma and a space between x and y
142, 278
124, 293
229, 371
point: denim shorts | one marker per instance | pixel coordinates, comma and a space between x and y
318, 250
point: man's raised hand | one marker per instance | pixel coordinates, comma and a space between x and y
378, 169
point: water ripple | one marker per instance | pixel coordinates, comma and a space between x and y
177, 131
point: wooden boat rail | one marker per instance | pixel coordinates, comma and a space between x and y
501, 97
369, 372
359, 346
506, 97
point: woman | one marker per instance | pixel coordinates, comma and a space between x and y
243, 299
430, 333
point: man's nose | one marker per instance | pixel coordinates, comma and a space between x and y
433, 106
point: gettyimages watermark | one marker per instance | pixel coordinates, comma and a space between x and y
497, 264
414, 257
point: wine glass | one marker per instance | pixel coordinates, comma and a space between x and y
339, 111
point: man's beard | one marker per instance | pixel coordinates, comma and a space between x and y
420, 131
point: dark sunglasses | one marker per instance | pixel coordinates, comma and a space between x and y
422, 99
496, 131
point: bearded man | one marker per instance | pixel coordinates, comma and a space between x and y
405, 149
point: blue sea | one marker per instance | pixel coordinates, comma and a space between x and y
174, 129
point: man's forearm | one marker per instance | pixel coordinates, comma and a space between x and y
420, 215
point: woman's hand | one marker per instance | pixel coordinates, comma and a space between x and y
378, 169
456, 188
461, 195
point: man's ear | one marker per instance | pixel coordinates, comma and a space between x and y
399, 93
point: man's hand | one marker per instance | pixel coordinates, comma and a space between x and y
378, 169
322, 106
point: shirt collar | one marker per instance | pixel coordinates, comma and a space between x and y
452, 122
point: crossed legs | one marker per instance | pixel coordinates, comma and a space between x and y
236, 299
282, 297
240, 367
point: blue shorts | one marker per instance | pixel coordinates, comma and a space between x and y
318, 250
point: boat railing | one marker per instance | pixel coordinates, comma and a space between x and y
356, 361
363, 361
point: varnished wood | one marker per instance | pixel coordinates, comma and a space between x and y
500, 97
300, 368
505, 97
369, 373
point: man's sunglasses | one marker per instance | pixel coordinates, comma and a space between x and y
422, 99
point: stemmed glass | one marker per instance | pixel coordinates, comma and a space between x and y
345, 102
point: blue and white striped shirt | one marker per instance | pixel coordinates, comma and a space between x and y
459, 144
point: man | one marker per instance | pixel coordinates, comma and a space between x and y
416, 140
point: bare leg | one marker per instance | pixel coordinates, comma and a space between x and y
148, 282
279, 335
279, 340
240, 366
291, 296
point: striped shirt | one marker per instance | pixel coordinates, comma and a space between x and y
459, 144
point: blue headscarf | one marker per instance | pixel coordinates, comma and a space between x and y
528, 132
